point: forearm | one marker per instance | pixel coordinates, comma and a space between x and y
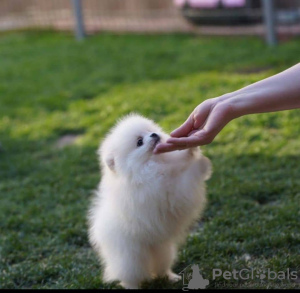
276, 93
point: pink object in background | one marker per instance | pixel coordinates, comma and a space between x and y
198, 3
179, 3
234, 3
210, 3
204, 3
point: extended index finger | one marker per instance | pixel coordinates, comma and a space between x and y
189, 141
166, 147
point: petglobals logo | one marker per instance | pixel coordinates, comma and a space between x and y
193, 279
251, 274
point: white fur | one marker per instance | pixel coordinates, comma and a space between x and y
145, 202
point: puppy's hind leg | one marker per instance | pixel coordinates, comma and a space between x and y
136, 270
163, 257
131, 266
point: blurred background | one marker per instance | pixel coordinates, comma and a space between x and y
207, 17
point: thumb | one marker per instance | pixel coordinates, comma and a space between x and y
184, 129
195, 120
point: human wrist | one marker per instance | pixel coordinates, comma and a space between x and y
251, 99
232, 105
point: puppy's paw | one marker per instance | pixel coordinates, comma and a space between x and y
194, 152
129, 285
173, 277
205, 167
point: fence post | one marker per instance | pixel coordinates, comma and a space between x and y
269, 19
79, 23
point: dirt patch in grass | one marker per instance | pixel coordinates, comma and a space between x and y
253, 70
67, 139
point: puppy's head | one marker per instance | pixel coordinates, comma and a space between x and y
130, 144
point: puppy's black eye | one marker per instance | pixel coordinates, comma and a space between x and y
139, 142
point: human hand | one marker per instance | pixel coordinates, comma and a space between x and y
201, 127
276, 93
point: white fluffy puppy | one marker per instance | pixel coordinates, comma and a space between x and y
145, 202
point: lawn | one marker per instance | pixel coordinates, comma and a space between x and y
52, 88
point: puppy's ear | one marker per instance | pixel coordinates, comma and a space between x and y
206, 167
110, 162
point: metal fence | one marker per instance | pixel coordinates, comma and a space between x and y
142, 16
99, 15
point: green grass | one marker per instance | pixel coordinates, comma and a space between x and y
51, 86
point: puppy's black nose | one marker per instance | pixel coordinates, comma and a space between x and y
154, 135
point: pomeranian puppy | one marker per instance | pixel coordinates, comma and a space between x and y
145, 202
